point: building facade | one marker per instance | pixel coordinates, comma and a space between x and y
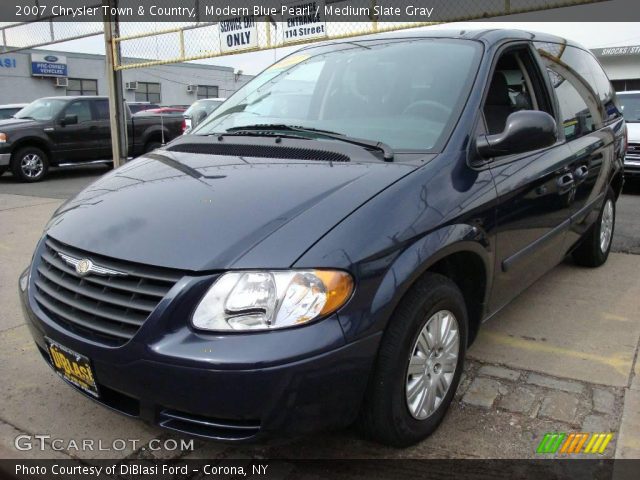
622, 65
31, 74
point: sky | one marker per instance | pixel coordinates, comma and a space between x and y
591, 35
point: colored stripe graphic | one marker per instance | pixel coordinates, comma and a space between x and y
598, 443
550, 442
572, 443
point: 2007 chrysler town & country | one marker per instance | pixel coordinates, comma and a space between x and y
325, 246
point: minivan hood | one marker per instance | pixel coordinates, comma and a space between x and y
207, 212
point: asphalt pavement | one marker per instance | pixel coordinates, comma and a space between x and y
560, 358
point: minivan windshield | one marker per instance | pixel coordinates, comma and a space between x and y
406, 93
42, 109
630, 103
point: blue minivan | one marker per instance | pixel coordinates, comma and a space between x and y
323, 248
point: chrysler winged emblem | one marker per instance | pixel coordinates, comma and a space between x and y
85, 266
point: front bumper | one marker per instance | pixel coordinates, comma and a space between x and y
632, 165
236, 387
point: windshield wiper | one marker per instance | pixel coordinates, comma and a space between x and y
386, 150
25, 117
256, 133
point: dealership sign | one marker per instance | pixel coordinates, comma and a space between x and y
238, 33
47, 65
617, 51
305, 21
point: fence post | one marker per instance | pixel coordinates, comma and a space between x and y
117, 108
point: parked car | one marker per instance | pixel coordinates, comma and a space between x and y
162, 111
9, 110
630, 103
198, 111
331, 258
62, 131
136, 107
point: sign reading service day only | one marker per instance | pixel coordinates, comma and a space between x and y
238, 33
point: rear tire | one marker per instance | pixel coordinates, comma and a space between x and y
29, 164
595, 246
415, 378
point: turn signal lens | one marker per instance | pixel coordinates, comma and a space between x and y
266, 300
338, 285
3, 138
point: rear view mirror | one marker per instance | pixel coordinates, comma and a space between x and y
525, 131
69, 120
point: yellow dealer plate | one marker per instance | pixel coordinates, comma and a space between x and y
72, 367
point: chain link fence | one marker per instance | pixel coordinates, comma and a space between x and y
46, 29
180, 42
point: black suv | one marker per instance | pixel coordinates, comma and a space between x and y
325, 246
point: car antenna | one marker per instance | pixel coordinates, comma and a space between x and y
162, 127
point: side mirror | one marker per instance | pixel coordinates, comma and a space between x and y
525, 131
69, 120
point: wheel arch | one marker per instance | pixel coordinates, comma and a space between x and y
32, 142
455, 252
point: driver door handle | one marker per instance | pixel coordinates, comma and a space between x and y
565, 182
581, 171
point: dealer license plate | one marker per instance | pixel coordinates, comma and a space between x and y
72, 367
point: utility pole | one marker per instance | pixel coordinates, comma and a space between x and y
117, 108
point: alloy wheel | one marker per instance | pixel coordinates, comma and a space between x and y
32, 165
432, 364
606, 225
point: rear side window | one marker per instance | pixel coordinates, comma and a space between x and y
585, 96
102, 109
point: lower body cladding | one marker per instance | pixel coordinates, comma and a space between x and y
212, 400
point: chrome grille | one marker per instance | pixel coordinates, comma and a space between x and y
108, 309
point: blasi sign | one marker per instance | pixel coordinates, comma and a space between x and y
47, 65
239, 33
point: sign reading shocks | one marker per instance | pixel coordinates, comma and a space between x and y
304, 20
238, 33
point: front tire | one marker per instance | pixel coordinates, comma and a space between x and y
29, 164
595, 247
419, 364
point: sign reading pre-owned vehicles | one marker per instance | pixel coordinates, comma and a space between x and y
238, 33
305, 22
48, 65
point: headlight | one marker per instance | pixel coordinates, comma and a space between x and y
3, 138
264, 300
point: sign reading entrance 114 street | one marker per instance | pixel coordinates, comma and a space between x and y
304, 20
